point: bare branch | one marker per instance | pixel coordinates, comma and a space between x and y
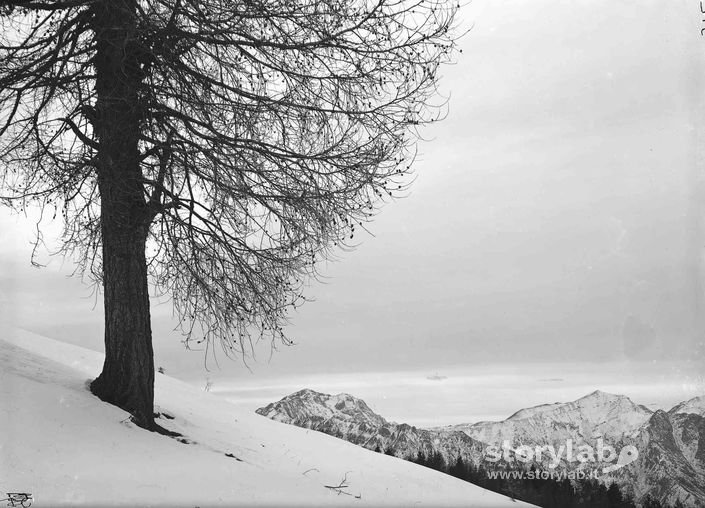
266, 134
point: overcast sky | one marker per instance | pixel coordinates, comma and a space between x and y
555, 226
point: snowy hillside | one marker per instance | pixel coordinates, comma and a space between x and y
598, 414
66, 447
696, 405
349, 418
668, 468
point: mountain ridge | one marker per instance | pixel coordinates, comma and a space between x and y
336, 416
696, 405
669, 466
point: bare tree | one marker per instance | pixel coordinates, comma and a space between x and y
216, 149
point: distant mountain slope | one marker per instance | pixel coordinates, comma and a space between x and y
669, 467
311, 406
596, 415
350, 418
68, 448
696, 405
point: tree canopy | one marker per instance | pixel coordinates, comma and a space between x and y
234, 143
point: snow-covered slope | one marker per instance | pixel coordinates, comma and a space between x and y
696, 405
66, 447
597, 415
311, 406
350, 418
669, 467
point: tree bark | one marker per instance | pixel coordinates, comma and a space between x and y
127, 379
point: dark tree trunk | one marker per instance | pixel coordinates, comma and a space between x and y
127, 379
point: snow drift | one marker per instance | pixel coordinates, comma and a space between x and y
66, 447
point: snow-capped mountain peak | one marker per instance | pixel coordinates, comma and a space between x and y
599, 395
593, 405
669, 467
350, 418
696, 405
309, 405
596, 415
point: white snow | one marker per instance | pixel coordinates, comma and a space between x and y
66, 447
696, 405
596, 415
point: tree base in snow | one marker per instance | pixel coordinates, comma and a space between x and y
146, 422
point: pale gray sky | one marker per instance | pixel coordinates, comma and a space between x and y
556, 219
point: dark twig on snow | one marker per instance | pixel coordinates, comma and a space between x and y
342, 485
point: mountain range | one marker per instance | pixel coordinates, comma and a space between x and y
657, 457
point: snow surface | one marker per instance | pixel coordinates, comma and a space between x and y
66, 447
598, 414
696, 405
